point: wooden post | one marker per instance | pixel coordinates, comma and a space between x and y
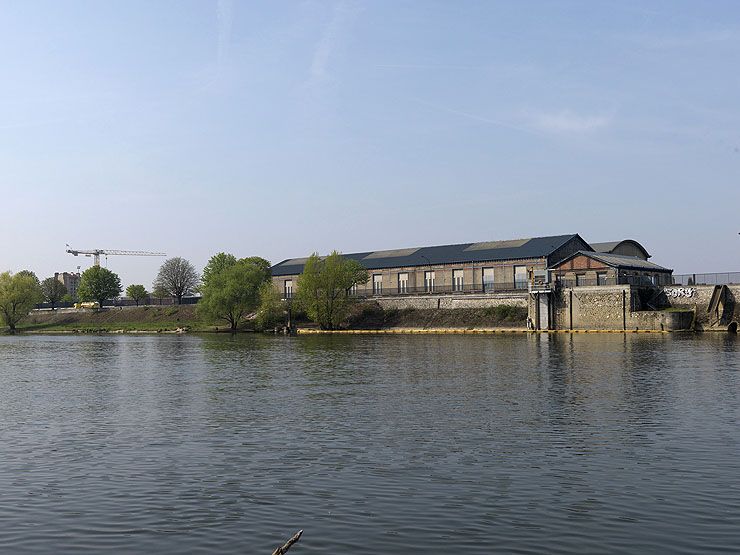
624, 310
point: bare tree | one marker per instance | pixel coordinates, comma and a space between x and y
178, 277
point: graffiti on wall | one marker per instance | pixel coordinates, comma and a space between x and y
676, 292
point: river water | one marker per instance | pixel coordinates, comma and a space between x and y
601, 443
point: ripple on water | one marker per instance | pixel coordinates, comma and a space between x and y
371, 444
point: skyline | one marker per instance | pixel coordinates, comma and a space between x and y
279, 130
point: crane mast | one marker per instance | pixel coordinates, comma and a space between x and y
95, 253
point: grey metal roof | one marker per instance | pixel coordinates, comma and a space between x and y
610, 246
536, 247
619, 261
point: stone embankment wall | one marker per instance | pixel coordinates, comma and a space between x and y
618, 307
453, 301
697, 299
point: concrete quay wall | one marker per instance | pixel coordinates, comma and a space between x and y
617, 307
698, 297
448, 302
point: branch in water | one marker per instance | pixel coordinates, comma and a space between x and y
282, 550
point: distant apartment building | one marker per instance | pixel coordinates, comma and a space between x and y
70, 280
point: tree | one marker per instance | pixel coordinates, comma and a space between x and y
30, 274
232, 292
53, 290
323, 288
98, 284
19, 293
222, 260
137, 292
217, 262
272, 307
178, 277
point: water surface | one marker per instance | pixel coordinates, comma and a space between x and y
372, 444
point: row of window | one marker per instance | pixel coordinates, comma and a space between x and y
458, 281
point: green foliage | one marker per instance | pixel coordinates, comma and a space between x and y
221, 261
178, 277
137, 292
53, 290
232, 292
29, 273
272, 307
19, 293
217, 263
261, 263
323, 288
98, 284
68, 298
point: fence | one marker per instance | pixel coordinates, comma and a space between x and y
722, 278
149, 301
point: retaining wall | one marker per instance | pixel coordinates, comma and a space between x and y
616, 307
453, 301
697, 299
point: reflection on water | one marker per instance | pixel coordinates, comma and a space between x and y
372, 444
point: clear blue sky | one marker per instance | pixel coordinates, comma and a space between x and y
280, 128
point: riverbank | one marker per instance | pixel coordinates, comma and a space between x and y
371, 316
142, 319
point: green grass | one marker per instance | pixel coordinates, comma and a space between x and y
76, 327
133, 319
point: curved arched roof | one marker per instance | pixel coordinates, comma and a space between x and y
611, 247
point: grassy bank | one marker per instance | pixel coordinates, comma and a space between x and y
371, 316
127, 319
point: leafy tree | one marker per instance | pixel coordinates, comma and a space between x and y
19, 293
98, 284
271, 311
216, 263
137, 292
232, 292
222, 260
53, 290
262, 264
30, 274
178, 277
324, 285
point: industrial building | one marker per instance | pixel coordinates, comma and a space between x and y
492, 266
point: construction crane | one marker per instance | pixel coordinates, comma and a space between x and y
95, 253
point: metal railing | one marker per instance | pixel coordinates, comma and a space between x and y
582, 282
720, 278
645, 281
466, 288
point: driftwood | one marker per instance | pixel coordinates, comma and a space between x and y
283, 549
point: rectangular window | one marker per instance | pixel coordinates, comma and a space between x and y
600, 278
288, 289
457, 280
429, 281
520, 277
403, 283
377, 284
580, 279
487, 279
